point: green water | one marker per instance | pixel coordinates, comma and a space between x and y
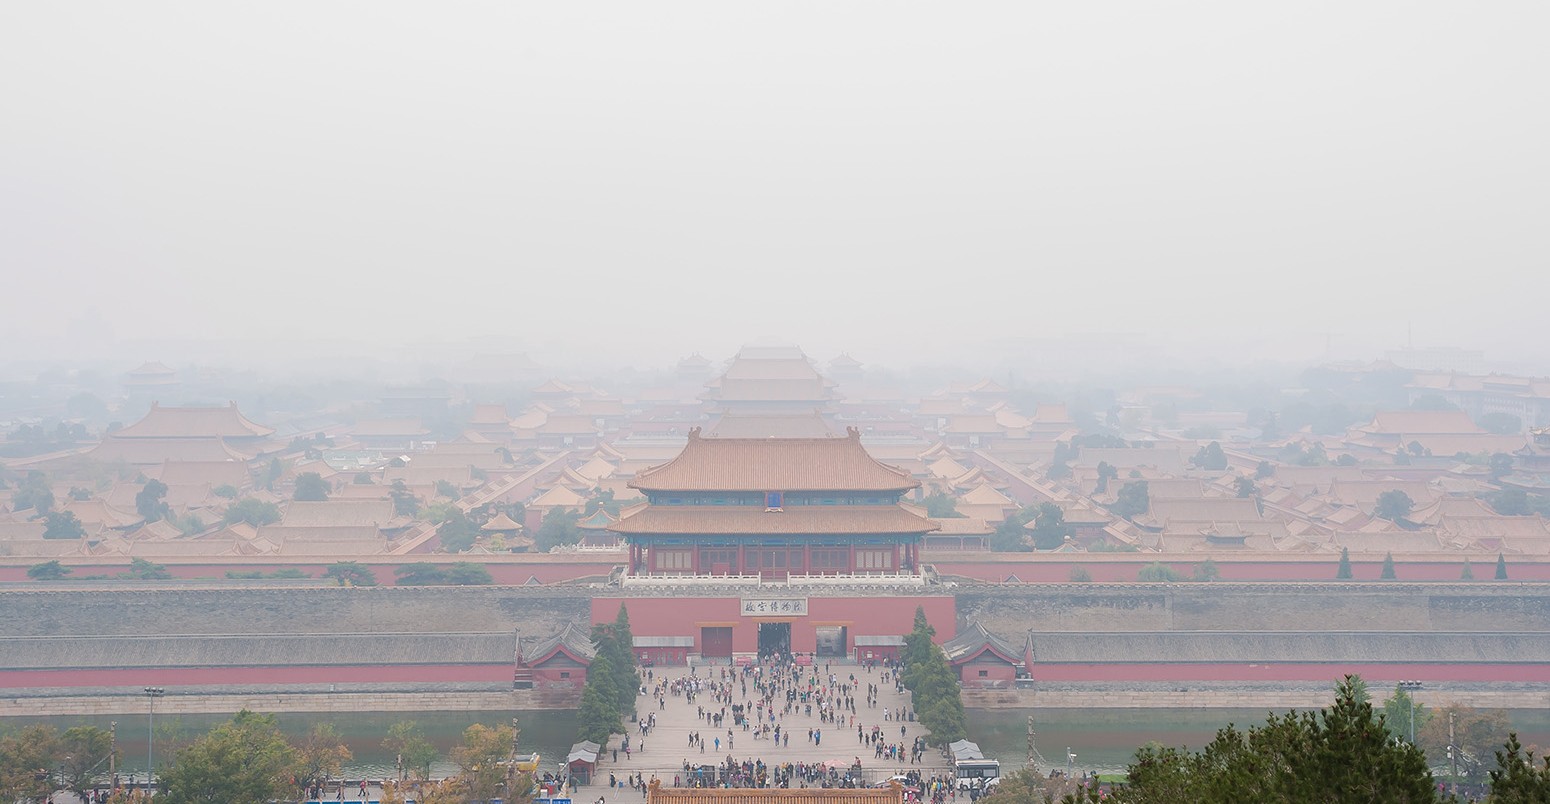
1102, 739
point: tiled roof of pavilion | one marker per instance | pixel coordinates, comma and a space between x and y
573, 639
376, 513
223, 422
752, 520
215, 473
973, 640
155, 451
747, 425
774, 464
1421, 422
770, 390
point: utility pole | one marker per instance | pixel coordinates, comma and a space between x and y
150, 732
1453, 753
112, 753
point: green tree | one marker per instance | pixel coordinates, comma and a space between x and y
225, 491
1476, 734
444, 488
599, 713
615, 642
150, 502
1469, 572
1517, 778
1245, 488
1081, 575
319, 755
1158, 572
1339, 754
362, 479
1050, 528
1207, 571
941, 506
273, 473
480, 757
1393, 505
48, 571
1388, 567
83, 756
1264, 470
1133, 500
468, 573
1512, 502
253, 511
404, 501
1010, 535
351, 573
420, 574
22, 755
142, 570
411, 748
1501, 567
454, 529
1400, 709
1501, 466
34, 494
932, 683
559, 528
245, 759
1106, 472
310, 487
1210, 457
1343, 572
62, 525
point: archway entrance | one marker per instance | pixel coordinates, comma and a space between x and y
774, 639
832, 641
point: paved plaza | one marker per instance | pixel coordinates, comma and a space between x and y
662, 752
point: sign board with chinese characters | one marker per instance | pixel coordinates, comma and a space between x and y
777, 607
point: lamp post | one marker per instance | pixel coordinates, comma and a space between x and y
1410, 687
1070, 762
150, 733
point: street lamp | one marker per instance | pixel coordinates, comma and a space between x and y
150, 732
1410, 687
1070, 762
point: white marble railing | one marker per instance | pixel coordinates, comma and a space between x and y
842, 579
852, 579
668, 579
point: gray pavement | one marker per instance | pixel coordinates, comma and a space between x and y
662, 751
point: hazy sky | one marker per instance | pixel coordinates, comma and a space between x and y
655, 178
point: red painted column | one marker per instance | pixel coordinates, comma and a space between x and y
742, 563
694, 560
852, 567
807, 559
896, 558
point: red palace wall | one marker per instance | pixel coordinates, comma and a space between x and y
1311, 671
867, 616
1107, 569
216, 676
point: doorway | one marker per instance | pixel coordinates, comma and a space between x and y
774, 639
716, 643
832, 640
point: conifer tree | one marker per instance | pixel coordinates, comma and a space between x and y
1388, 567
1501, 567
1343, 573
